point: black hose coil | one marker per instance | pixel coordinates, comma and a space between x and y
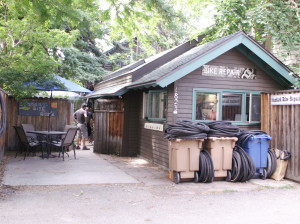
186, 130
243, 168
271, 163
206, 167
222, 129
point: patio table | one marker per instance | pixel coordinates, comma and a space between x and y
46, 137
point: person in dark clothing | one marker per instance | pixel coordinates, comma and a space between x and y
81, 118
89, 124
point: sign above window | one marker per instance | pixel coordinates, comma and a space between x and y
229, 72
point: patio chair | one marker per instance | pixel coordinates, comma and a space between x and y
67, 141
57, 139
29, 127
26, 141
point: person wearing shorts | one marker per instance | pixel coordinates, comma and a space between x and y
80, 116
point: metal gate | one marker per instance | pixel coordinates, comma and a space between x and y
108, 127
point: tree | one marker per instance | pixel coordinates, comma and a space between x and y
39, 38
151, 25
27, 34
263, 19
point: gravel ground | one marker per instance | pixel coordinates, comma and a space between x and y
153, 200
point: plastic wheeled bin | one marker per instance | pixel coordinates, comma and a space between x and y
221, 150
257, 148
184, 159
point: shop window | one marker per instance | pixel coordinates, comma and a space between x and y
207, 106
240, 107
156, 105
231, 107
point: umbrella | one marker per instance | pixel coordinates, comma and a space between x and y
57, 84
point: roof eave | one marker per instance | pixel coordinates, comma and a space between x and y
152, 83
239, 38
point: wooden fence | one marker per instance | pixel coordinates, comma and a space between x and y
282, 123
3, 117
64, 116
108, 127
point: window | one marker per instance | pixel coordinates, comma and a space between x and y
157, 105
239, 107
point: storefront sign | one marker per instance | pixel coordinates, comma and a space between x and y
285, 99
228, 72
36, 108
154, 126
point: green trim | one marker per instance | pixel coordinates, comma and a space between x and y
220, 92
263, 66
283, 74
268, 59
181, 72
149, 106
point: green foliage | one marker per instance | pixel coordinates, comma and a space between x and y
39, 38
82, 66
154, 23
278, 19
27, 35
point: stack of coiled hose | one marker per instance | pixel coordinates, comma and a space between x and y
222, 129
206, 167
186, 130
243, 167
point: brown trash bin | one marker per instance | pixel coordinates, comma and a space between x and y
221, 150
184, 159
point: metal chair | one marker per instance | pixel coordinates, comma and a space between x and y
29, 127
27, 141
57, 139
67, 141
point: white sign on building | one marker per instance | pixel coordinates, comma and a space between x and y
228, 72
285, 99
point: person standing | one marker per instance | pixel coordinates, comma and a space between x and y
89, 124
81, 118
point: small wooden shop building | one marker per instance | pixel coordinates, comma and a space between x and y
220, 80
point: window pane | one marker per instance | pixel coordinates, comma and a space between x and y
232, 107
154, 105
255, 108
158, 104
206, 106
164, 104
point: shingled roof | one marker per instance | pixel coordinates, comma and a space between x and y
192, 59
179, 61
198, 56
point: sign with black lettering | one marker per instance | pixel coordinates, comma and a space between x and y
285, 99
36, 108
228, 72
